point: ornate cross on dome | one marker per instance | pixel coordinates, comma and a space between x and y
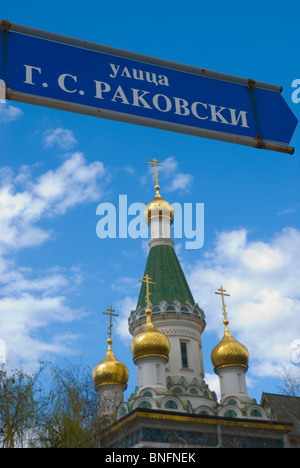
222, 293
155, 163
110, 313
147, 281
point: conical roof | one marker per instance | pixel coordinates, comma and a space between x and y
170, 282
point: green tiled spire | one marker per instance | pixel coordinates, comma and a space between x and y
164, 269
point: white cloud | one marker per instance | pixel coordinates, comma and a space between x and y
74, 182
34, 304
213, 382
173, 179
21, 320
124, 307
62, 137
125, 284
9, 113
263, 280
176, 180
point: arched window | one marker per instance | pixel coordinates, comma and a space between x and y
230, 414
256, 413
171, 404
231, 402
144, 404
184, 356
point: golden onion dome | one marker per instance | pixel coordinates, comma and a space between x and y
229, 352
110, 371
158, 208
150, 342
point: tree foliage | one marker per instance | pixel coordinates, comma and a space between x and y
52, 408
290, 380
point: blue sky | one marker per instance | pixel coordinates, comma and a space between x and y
57, 276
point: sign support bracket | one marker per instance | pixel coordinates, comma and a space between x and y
2, 92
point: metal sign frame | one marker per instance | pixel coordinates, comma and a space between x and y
7, 92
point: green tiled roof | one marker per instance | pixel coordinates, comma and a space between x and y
164, 269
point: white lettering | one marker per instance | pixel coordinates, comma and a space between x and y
144, 99
181, 104
137, 99
217, 113
138, 221
198, 233
167, 104
126, 73
235, 119
296, 93
123, 216
115, 69
101, 87
151, 78
119, 94
28, 75
177, 220
137, 76
166, 457
163, 80
61, 82
195, 112
109, 220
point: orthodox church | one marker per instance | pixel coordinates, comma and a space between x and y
172, 406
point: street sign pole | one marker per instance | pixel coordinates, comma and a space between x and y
51, 70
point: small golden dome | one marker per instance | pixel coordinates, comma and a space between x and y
159, 208
150, 342
110, 371
229, 352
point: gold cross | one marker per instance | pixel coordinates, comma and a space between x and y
222, 293
147, 281
110, 313
155, 163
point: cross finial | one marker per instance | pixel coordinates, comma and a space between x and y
147, 281
155, 163
110, 313
222, 293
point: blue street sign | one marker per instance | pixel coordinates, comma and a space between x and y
50, 70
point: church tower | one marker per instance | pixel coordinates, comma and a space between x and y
173, 309
150, 349
110, 378
230, 359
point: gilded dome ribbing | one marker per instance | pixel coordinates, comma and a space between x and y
229, 352
150, 342
110, 371
159, 208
